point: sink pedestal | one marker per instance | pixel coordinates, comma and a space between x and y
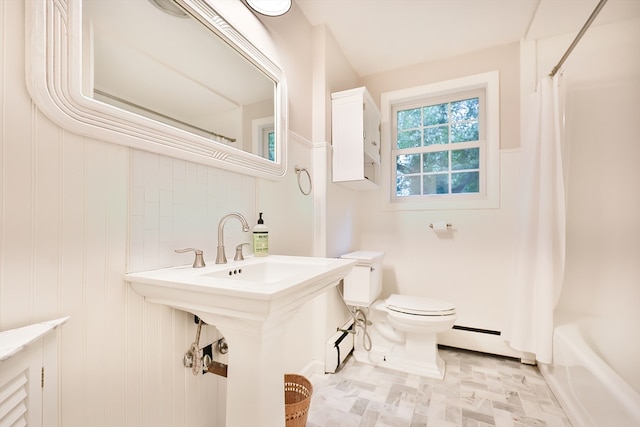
255, 376
250, 303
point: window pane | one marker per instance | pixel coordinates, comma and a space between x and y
436, 135
465, 159
436, 162
407, 185
464, 110
437, 148
409, 138
408, 163
408, 119
465, 182
436, 184
272, 146
435, 115
462, 132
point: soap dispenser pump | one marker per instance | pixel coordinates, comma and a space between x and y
260, 238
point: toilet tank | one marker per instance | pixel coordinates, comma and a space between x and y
364, 283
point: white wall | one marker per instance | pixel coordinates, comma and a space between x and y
472, 269
469, 267
303, 233
332, 73
177, 204
77, 213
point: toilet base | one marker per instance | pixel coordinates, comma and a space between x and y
417, 356
377, 357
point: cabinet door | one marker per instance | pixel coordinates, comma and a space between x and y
371, 137
347, 134
356, 139
20, 390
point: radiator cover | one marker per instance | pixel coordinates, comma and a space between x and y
338, 347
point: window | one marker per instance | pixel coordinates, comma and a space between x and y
264, 138
443, 145
268, 150
437, 146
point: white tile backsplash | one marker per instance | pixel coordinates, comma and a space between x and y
177, 204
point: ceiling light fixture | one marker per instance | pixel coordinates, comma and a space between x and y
270, 7
170, 7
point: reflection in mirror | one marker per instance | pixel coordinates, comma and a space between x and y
263, 133
154, 59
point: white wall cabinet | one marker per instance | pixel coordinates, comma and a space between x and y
355, 138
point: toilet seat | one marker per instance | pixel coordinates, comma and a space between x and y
419, 306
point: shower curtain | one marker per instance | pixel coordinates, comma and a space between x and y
540, 238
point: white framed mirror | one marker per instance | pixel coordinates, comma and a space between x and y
174, 78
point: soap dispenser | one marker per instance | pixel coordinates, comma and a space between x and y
260, 238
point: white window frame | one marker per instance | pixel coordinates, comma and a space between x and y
260, 130
489, 195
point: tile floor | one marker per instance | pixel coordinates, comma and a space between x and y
478, 390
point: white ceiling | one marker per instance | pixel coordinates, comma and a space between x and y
380, 35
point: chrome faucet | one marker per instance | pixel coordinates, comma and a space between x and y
221, 258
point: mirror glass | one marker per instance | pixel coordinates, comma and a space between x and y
154, 59
169, 77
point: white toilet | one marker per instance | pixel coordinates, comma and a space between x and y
403, 330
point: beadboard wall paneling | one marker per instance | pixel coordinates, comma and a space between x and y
47, 218
64, 246
72, 298
17, 171
76, 214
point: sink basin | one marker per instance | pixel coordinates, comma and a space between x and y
257, 287
250, 302
262, 273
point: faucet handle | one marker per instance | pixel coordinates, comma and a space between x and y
198, 261
239, 256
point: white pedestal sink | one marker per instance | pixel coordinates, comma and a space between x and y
249, 302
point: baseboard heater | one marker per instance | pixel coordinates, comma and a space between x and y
482, 331
480, 340
338, 347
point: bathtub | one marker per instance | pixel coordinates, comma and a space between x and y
591, 393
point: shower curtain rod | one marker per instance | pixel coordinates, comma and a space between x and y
586, 25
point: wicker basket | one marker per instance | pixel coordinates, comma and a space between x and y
297, 397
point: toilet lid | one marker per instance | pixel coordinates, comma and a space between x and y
419, 306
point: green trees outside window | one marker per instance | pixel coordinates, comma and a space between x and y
437, 148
